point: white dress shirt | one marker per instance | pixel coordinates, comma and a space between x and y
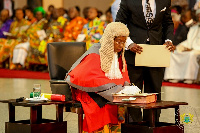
153, 8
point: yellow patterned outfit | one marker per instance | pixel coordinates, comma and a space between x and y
7, 45
35, 56
93, 31
73, 29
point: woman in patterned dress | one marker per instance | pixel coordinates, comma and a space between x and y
36, 56
17, 30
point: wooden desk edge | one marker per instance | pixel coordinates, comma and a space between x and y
142, 105
29, 104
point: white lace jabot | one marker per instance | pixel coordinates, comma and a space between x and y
114, 72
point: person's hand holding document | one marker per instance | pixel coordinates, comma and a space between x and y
153, 55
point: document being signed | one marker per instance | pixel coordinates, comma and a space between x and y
153, 56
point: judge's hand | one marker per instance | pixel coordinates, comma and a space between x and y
170, 46
135, 48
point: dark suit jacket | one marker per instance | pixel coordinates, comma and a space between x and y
131, 13
180, 34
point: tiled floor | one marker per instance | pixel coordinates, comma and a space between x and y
15, 88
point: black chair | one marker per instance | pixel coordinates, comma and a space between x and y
61, 56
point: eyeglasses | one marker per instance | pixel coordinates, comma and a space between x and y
120, 42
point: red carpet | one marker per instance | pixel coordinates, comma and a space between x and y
6, 73
194, 86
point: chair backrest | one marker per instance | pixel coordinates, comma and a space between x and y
61, 56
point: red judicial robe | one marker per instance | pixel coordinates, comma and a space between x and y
88, 76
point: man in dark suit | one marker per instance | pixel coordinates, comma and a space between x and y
149, 22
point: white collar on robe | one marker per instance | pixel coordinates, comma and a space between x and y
114, 72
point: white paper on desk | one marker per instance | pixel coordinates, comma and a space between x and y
153, 56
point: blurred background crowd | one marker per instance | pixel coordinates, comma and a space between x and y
25, 32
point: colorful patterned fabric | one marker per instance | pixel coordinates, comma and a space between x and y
5, 27
34, 20
17, 29
111, 128
74, 28
34, 55
5, 47
93, 31
62, 20
55, 29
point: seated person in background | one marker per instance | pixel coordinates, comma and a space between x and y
74, 26
85, 12
177, 8
36, 33
17, 31
61, 19
30, 15
109, 18
63, 12
55, 30
6, 22
180, 30
21, 50
49, 13
98, 73
183, 63
93, 30
187, 18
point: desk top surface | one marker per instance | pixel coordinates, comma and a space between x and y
158, 104
26, 103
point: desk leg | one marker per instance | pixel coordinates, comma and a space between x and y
80, 120
152, 119
11, 109
35, 114
126, 114
59, 112
177, 115
39, 114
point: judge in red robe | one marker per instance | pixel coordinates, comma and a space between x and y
97, 74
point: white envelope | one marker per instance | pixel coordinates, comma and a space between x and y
153, 56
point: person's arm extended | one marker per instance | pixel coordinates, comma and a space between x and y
167, 24
168, 28
123, 12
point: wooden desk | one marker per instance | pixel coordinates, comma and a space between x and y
36, 124
152, 126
